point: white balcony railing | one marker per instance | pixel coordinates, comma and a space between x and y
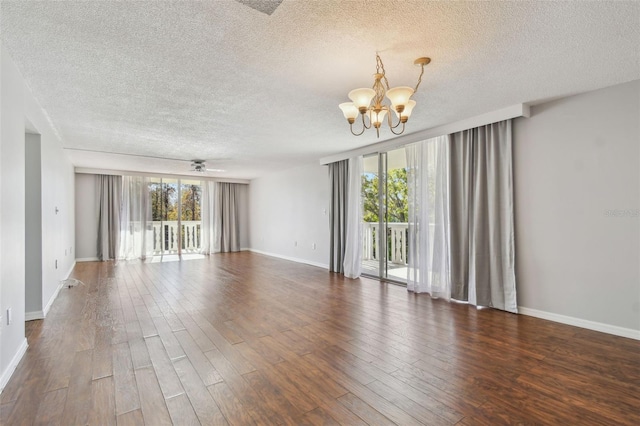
397, 238
165, 236
397, 242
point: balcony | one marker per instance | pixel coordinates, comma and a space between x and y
397, 247
396, 236
165, 236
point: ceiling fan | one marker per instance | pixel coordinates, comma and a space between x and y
201, 167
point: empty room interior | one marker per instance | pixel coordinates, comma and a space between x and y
287, 212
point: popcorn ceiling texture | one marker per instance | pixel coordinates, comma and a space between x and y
259, 92
264, 6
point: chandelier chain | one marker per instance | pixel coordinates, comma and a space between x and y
419, 79
380, 67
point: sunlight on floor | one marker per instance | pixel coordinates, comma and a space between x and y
175, 257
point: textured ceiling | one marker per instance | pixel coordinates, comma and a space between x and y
258, 92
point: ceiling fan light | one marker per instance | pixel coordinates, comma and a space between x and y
362, 98
399, 95
349, 110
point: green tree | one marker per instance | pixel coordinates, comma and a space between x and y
163, 201
191, 196
397, 195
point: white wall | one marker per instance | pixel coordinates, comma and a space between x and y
575, 160
17, 107
12, 211
291, 207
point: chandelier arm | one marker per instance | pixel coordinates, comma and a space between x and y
354, 133
390, 120
419, 79
400, 132
364, 123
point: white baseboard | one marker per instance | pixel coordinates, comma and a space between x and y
292, 259
73, 265
35, 315
8, 372
87, 259
579, 322
42, 314
45, 311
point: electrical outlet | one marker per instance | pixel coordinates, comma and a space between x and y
313, 246
9, 316
56, 263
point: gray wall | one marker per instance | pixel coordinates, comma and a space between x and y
33, 224
290, 213
243, 216
86, 217
576, 160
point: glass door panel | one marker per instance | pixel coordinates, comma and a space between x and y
397, 212
164, 211
190, 217
385, 214
370, 215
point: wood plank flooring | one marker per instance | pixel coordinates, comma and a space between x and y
244, 339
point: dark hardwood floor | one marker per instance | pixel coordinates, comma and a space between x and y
246, 339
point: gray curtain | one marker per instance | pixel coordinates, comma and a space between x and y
227, 230
109, 190
339, 181
481, 209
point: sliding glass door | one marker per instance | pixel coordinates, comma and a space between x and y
175, 211
372, 259
190, 216
385, 212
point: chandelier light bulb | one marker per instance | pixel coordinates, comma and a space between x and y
399, 96
377, 118
406, 113
362, 98
349, 110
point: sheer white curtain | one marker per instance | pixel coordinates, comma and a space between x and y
427, 178
353, 249
136, 226
209, 191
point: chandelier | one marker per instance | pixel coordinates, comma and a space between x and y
374, 115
